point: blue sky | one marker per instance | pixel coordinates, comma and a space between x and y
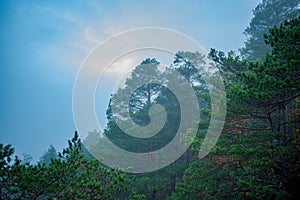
44, 42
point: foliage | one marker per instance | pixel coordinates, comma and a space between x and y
259, 89
27, 158
70, 176
248, 166
257, 156
267, 14
48, 156
250, 162
159, 184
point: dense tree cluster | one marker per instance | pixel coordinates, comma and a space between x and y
267, 14
69, 176
256, 157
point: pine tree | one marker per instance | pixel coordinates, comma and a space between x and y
48, 155
267, 14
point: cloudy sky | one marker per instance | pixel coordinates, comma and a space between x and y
43, 44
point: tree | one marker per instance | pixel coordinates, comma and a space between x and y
259, 90
70, 176
155, 185
254, 163
9, 171
92, 139
267, 14
193, 67
48, 155
248, 166
142, 98
142, 90
186, 64
27, 158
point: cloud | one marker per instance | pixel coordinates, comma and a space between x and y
86, 29
123, 66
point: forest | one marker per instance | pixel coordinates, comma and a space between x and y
256, 157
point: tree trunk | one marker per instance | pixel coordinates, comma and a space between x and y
270, 123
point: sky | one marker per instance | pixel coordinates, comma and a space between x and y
43, 44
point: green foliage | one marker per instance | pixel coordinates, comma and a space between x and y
260, 89
252, 161
257, 156
159, 184
9, 171
70, 176
186, 64
267, 14
140, 101
248, 166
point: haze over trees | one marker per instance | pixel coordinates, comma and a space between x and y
256, 157
267, 14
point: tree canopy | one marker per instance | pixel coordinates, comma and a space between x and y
256, 157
